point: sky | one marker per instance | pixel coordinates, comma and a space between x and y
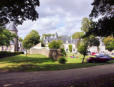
61, 16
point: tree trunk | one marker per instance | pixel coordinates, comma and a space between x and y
83, 59
2, 48
98, 49
26, 52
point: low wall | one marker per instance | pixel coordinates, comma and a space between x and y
53, 53
40, 51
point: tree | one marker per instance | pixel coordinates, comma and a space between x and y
31, 39
77, 35
82, 49
18, 11
70, 48
55, 44
20, 39
5, 37
109, 43
102, 7
93, 41
63, 52
105, 9
86, 24
102, 28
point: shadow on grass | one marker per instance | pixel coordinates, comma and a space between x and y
33, 63
50, 67
27, 60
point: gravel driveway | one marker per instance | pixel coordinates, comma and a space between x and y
54, 78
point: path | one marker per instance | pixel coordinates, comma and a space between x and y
53, 78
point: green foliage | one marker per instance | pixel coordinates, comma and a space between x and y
18, 11
63, 52
105, 25
8, 54
93, 41
70, 48
77, 35
42, 63
20, 39
86, 24
31, 39
62, 60
102, 7
82, 49
48, 35
5, 37
109, 43
55, 44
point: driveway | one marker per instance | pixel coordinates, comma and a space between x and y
54, 78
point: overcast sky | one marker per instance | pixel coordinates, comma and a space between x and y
61, 16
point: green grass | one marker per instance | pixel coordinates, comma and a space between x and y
42, 63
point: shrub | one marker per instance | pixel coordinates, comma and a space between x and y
8, 54
70, 48
63, 52
55, 44
62, 60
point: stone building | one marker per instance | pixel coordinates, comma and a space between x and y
15, 45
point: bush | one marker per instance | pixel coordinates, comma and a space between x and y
8, 54
70, 48
62, 60
63, 52
55, 44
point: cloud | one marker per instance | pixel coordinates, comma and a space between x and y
62, 16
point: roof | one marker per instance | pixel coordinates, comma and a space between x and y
65, 39
12, 27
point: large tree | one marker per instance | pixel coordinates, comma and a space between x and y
105, 25
18, 11
31, 39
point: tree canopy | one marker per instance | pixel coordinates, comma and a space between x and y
109, 43
93, 41
86, 24
31, 39
5, 37
18, 11
55, 44
102, 7
105, 9
77, 35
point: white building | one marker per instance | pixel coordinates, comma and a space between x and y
66, 42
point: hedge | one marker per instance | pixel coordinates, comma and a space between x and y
8, 54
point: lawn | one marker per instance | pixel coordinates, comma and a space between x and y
42, 63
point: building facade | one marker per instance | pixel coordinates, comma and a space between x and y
15, 44
67, 40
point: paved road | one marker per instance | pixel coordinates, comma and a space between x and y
53, 78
